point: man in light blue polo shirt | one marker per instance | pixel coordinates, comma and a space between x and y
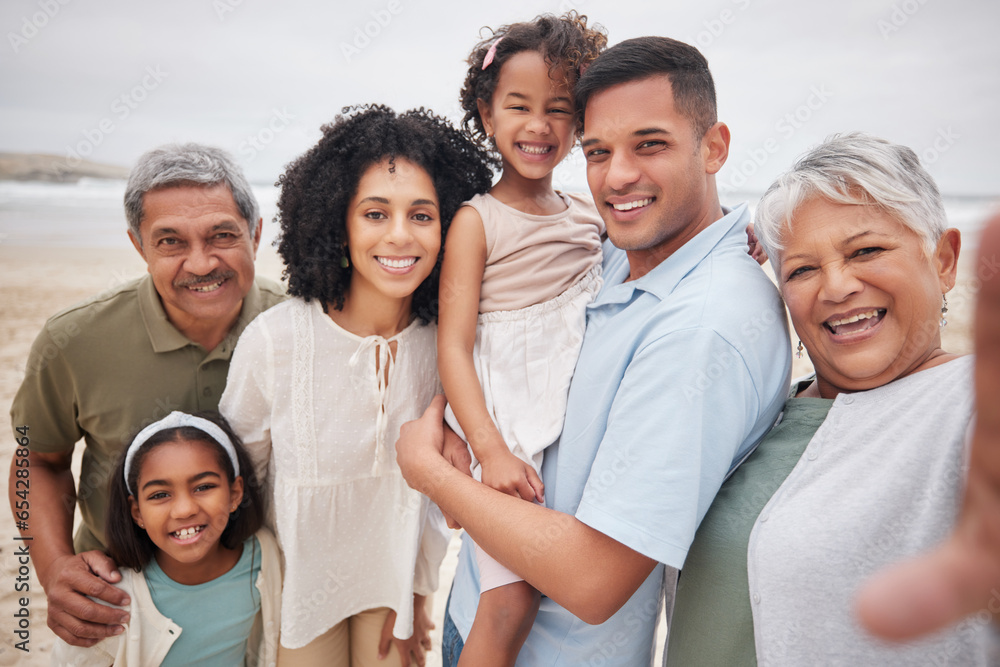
684, 367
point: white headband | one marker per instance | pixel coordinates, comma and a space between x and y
177, 419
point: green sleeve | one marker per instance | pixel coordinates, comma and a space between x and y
46, 401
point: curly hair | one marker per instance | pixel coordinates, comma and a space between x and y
317, 188
565, 42
129, 545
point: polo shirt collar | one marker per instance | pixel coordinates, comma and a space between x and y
165, 337
662, 280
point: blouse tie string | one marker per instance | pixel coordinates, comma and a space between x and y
384, 365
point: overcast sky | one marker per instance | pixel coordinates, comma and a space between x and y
108, 79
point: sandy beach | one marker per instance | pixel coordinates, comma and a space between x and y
37, 282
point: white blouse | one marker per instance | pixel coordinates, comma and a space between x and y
320, 424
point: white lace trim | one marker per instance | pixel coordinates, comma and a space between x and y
303, 352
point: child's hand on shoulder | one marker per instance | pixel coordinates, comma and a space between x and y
505, 472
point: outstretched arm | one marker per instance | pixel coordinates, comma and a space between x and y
963, 575
461, 278
580, 568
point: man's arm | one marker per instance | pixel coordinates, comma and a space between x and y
963, 575
67, 577
580, 568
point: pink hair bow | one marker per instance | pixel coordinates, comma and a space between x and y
491, 54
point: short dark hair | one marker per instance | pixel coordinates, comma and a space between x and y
642, 57
563, 41
129, 545
317, 188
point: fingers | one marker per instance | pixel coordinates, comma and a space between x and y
78, 575
74, 617
81, 621
528, 486
537, 486
415, 654
105, 568
523, 489
67, 635
456, 451
986, 335
454, 525
435, 411
410, 651
79, 633
77, 606
923, 595
386, 638
418, 449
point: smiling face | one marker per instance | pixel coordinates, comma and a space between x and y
651, 178
183, 500
200, 252
863, 295
531, 117
394, 233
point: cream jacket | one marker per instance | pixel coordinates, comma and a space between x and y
150, 634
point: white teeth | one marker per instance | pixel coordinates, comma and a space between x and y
854, 318
535, 150
397, 263
185, 533
208, 288
633, 204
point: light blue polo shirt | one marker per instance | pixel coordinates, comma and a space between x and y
681, 373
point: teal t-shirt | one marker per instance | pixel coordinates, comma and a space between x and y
712, 623
216, 617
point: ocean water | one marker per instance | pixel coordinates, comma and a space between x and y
90, 213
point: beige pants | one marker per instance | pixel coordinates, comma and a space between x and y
351, 643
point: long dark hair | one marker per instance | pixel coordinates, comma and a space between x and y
129, 545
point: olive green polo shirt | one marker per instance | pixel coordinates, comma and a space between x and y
107, 367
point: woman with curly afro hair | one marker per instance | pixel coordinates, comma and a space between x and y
320, 384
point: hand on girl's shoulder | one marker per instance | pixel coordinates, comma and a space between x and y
104, 653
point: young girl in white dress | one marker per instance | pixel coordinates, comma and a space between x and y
521, 264
320, 384
184, 525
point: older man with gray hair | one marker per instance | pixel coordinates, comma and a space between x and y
104, 368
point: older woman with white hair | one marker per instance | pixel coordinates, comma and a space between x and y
867, 462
